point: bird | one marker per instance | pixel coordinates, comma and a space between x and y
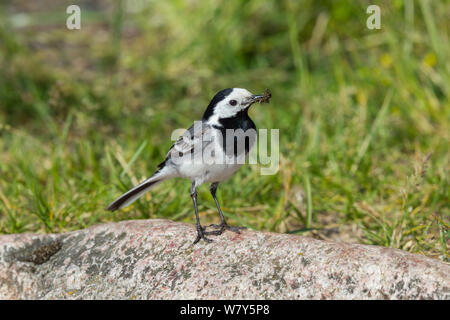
210, 151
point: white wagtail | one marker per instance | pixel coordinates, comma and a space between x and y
201, 153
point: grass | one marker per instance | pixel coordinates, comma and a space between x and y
364, 115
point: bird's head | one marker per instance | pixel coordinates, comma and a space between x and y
230, 102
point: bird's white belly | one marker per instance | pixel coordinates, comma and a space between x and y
221, 172
202, 172
217, 167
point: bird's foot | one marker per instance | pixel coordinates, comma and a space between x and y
224, 226
201, 234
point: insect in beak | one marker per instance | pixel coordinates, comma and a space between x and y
262, 98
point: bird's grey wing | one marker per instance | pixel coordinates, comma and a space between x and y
193, 141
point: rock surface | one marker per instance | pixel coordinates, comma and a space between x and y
155, 259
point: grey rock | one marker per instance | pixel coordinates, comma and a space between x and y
155, 259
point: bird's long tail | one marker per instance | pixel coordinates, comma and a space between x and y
132, 195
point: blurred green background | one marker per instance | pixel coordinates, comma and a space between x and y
364, 115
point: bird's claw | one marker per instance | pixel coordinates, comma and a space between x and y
223, 226
201, 234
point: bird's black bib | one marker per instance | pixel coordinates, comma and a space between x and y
243, 130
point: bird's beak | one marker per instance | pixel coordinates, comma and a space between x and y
254, 98
257, 97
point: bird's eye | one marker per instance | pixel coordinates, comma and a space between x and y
233, 102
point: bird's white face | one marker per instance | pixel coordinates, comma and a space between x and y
236, 101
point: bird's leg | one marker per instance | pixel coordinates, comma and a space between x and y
200, 230
223, 225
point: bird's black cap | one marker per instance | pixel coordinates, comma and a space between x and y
217, 98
